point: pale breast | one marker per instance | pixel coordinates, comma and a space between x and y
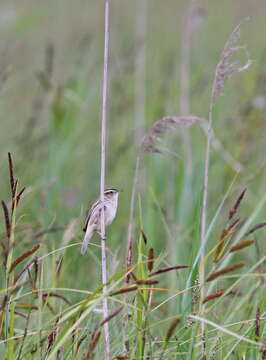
110, 213
110, 208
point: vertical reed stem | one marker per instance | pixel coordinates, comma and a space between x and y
102, 180
203, 219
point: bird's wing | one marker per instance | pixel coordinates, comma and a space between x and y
93, 214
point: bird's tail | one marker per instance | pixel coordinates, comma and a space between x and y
88, 235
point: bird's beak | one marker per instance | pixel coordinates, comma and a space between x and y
120, 190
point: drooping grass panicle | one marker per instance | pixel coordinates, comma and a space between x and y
225, 270
226, 67
162, 126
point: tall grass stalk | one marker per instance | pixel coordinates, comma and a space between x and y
10, 314
223, 71
102, 179
203, 221
141, 298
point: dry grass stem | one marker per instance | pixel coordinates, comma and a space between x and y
226, 68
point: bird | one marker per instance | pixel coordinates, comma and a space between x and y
93, 219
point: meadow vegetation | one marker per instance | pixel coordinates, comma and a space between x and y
186, 255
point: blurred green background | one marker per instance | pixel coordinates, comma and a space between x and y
52, 52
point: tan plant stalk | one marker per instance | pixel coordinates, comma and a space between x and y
102, 180
224, 70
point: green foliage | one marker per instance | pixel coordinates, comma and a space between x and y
51, 299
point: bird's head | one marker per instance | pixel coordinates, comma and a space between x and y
111, 194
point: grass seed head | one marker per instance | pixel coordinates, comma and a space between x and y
171, 328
